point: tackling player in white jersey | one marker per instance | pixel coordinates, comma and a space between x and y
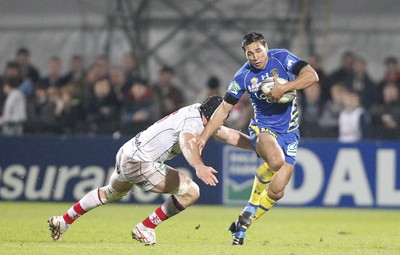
140, 162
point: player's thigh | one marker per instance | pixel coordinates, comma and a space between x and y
269, 149
144, 174
119, 182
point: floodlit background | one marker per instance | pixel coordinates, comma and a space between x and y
198, 37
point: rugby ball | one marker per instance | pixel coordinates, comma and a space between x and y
268, 84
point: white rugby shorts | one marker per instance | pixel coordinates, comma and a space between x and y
144, 174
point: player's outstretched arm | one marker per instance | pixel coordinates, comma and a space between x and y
234, 137
190, 151
216, 120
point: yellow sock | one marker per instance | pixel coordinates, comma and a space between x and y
261, 181
266, 203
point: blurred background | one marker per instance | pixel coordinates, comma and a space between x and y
196, 45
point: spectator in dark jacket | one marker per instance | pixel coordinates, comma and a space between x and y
170, 96
102, 109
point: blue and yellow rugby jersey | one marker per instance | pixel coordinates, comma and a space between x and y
280, 118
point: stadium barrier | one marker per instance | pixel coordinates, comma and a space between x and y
328, 173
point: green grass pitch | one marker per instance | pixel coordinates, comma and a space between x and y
201, 230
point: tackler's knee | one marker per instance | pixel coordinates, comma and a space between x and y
111, 195
194, 190
188, 188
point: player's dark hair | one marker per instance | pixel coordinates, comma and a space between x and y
209, 105
253, 37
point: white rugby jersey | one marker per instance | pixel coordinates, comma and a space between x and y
160, 141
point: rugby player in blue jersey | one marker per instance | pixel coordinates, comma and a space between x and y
274, 130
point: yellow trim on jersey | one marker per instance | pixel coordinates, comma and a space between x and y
294, 121
263, 130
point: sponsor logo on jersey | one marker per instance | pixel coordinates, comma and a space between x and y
264, 76
254, 80
292, 149
162, 167
255, 85
234, 87
274, 73
289, 61
263, 130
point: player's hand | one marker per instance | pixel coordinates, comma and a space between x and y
276, 92
207, 175
200, 143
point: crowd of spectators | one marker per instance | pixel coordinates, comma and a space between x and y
100, 99
348, 105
